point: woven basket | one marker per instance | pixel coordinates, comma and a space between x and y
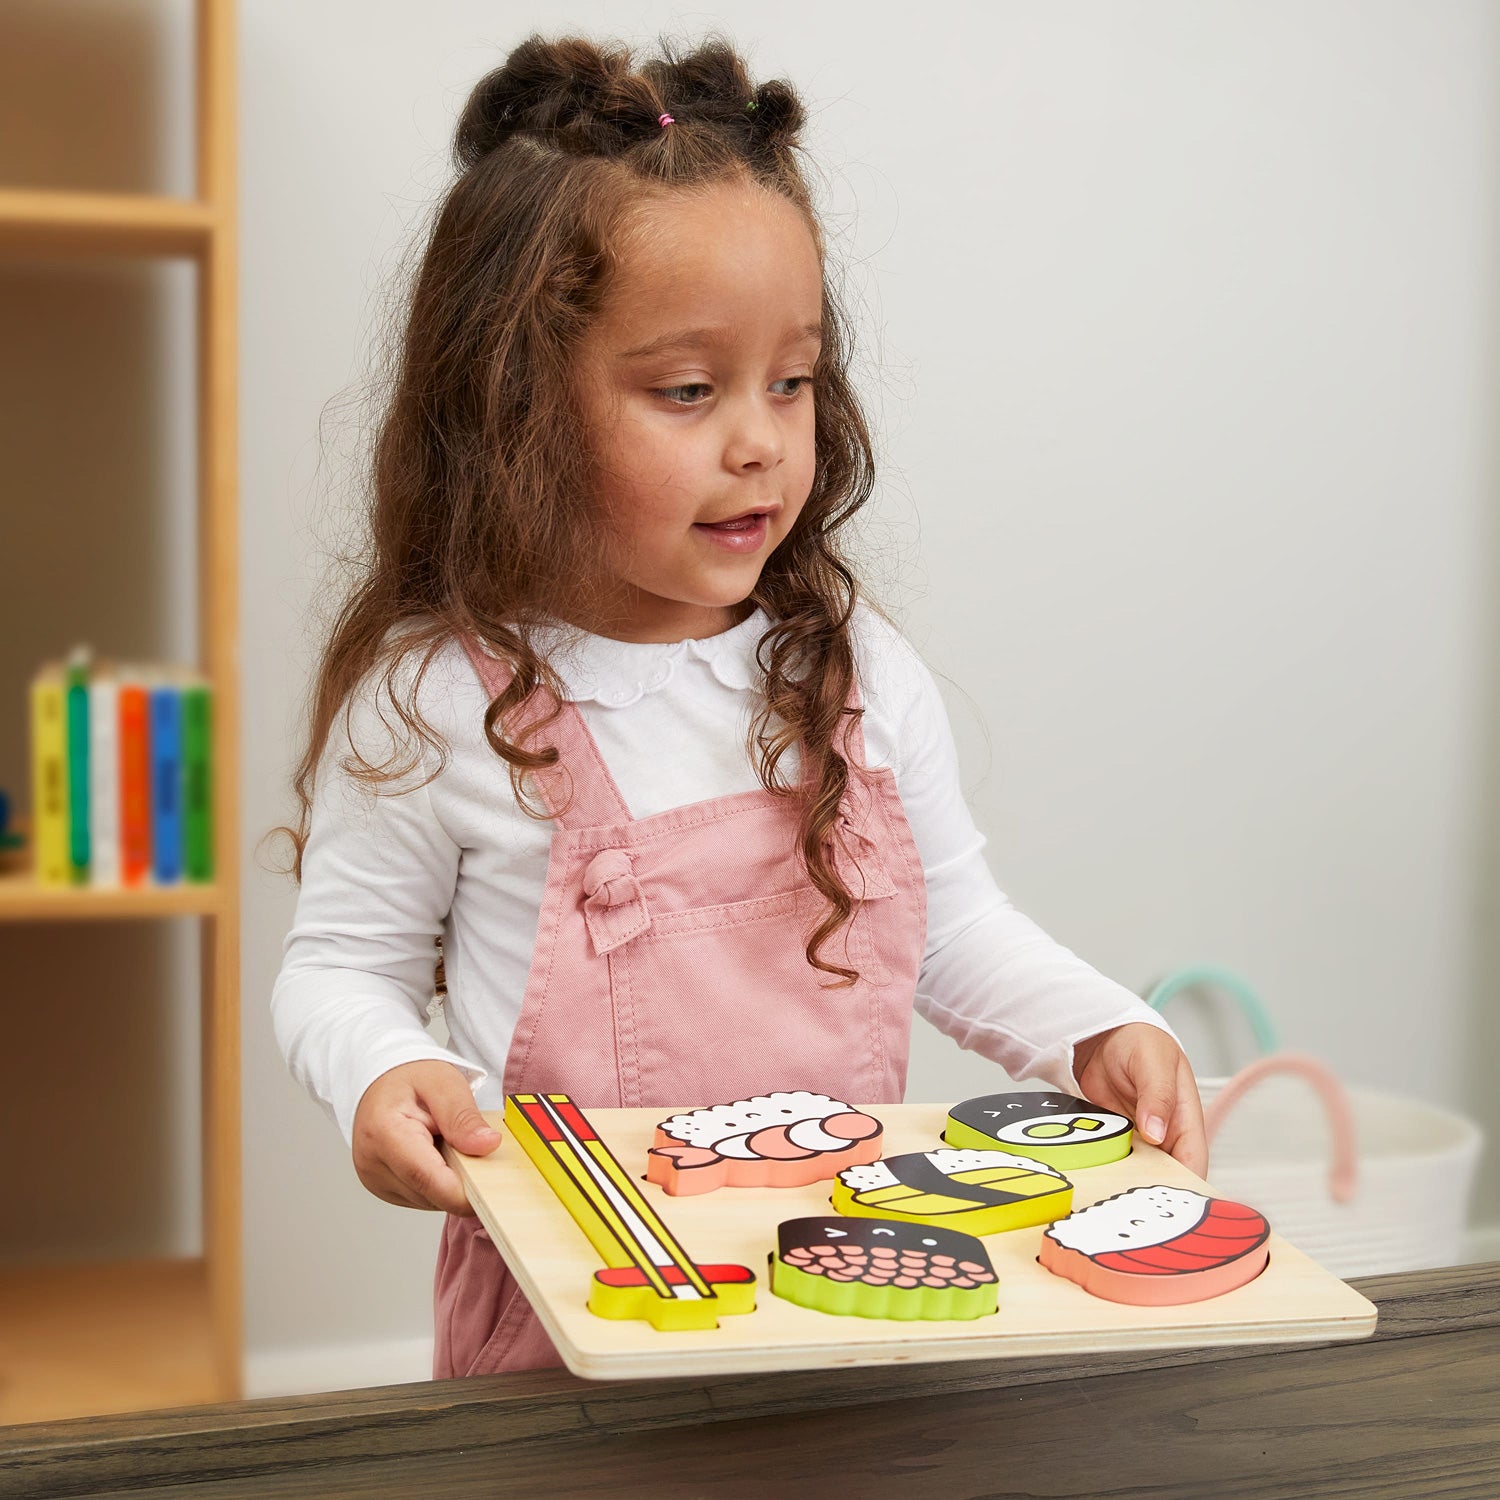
1365, 1183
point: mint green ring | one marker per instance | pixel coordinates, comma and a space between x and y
1234, 984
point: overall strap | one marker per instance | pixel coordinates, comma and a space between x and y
577, 791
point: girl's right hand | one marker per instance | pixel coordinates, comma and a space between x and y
397, 1126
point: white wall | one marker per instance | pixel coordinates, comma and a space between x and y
1181, 321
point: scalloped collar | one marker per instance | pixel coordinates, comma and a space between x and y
618, 673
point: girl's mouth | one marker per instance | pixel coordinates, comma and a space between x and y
744, 534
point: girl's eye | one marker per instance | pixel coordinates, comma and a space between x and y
672, 393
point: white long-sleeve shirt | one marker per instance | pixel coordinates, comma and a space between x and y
384, 874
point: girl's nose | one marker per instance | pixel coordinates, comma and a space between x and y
756, 436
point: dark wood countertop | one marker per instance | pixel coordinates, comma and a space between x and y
1413, 1411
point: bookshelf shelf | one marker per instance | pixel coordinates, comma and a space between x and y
22, 898
38, 222
79, 1340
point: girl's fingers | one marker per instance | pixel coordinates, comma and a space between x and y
377, 1178
1188, 1147
1188, 1142
399, 1163
1156, 1100
1154, 1119
414, 1161
388, 1190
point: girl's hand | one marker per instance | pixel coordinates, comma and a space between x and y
1138, 1071
399, 1121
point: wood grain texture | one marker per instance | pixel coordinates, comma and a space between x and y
218, 614
1040, 1315
1409, 1412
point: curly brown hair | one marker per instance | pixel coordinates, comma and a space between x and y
479, 499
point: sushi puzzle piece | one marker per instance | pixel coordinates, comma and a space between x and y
1061, 1130
1157, 1246
980, 1192
771, 1140
647, 1273
873, 1268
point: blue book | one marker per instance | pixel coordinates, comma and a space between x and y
165, 721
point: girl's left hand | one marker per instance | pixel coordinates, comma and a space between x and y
1138, 1071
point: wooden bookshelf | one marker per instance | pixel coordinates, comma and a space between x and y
78, 1340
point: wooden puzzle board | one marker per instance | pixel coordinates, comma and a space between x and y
1293, 1299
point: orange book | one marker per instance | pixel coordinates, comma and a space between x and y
135, 782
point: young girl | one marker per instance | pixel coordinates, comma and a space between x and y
681, 810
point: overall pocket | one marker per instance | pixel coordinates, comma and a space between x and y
719, 1002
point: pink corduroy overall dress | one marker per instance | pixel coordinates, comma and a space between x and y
670, 972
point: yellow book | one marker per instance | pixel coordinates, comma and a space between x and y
49, 776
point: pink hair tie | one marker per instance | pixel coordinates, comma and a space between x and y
665, 120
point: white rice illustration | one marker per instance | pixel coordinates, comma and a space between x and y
1138, 1218
726, 1128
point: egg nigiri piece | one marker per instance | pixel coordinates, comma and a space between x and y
980, 1192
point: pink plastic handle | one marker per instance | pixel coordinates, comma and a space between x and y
1341, 1180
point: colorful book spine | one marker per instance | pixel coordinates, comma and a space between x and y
49, 776
78, 764
122, 765
164, 714
198, 781
135, 780
104, 777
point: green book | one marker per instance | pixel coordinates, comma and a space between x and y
77, 694
198, 782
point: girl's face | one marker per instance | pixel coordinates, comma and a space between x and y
697, 386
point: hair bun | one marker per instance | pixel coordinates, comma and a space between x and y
776, 115
542, 84
591, 98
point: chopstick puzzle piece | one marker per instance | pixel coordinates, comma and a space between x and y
647, 1274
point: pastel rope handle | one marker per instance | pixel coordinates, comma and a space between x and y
1341, 1179
1230, 982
